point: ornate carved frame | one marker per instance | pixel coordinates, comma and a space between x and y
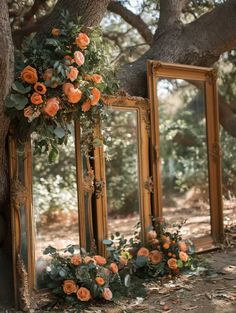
208, 76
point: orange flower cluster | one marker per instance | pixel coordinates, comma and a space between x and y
70, 88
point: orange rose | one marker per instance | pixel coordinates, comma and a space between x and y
123, 261
107, 294
155, 257
100, 281
40, 88
36, 98
183, 256
72, 74
166, 245
88, 259
74, 95
79, 58
47, 75
51, 107
82, 41
100, 260
69, 287
151, 235
76, 260
182, 246
143, 252
96, 94
29, 75
114, 268
86, 105
56, 32
96, 78
83, 294
66, 87
172, 263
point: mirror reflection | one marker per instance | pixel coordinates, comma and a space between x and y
122, 176
55, 203
183, 153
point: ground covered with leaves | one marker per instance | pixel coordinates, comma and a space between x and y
211, 289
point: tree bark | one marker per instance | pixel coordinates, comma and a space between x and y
6, 76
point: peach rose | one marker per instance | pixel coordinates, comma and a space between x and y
76, 260
96, 78
166, 245
123, 261
182, 246
74, 95
100, 260
83, 294
100, 281
88, 259
40, 88
96, 94
143, 252
151, 235
56, 32
79, 58
82, 41
72, 74
172, 263
183, 256
28, 112
69, 287
51, 107
47, 75
29, 75
107, 294
66, 87
86, 105
114, 268
36, 98
155, 257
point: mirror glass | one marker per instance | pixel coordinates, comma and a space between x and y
183, 155
122, 172
55, 203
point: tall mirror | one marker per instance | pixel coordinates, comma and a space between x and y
186, 154
127, 166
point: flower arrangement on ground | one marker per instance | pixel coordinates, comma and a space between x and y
58, 80
78, 277
163, 253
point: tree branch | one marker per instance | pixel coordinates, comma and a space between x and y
170, 12
134, 20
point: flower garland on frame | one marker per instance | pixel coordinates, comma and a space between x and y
61, 80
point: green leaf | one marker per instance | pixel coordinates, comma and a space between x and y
20, 101
180, 263
19, 87
53, 155
107, 242
59, 132
9, 103
141, 261
49, 250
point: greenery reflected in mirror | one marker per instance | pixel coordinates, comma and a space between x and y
55, 203
122, 176
183, 152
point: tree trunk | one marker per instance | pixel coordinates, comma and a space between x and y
6, 76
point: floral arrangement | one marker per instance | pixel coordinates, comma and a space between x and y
163, 253
78, 277
60, 80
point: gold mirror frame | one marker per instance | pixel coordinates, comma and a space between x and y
141, 106
155, 70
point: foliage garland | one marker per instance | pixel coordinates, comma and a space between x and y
60, 80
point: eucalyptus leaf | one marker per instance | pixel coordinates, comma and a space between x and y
59, 132
141, 261
107, 242
20, 101
19, 87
